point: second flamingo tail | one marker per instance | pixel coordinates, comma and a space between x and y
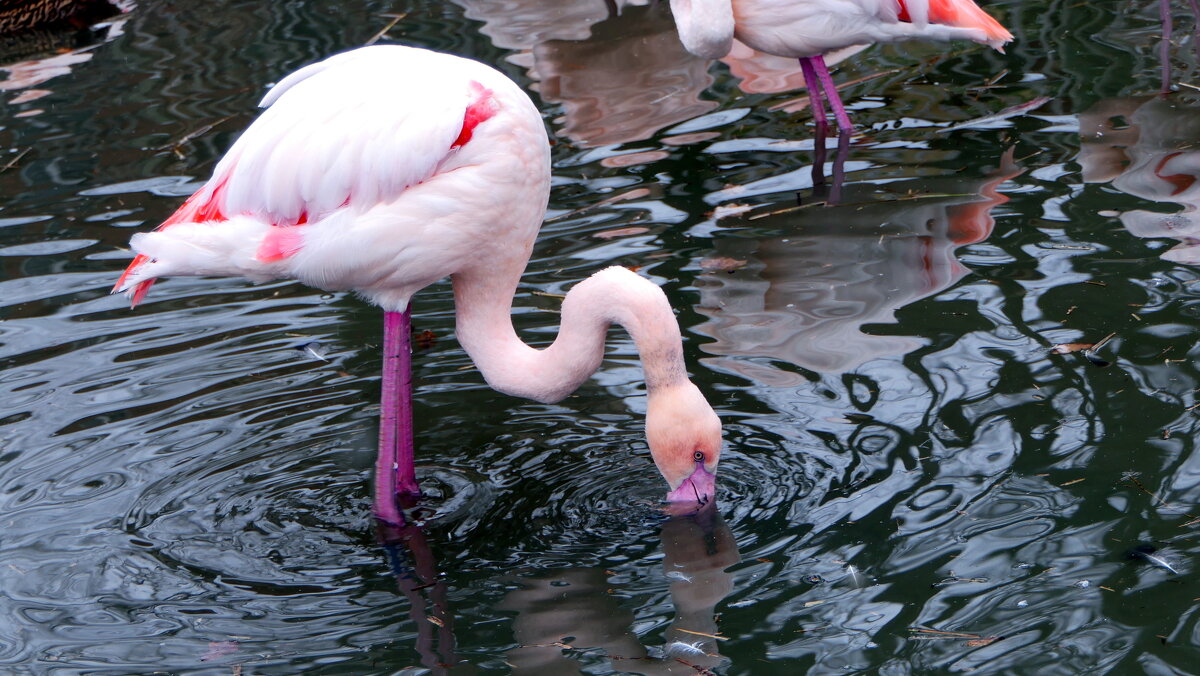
966, 14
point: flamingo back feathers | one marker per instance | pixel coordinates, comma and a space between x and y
347, 134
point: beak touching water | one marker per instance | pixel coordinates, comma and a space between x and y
700, 487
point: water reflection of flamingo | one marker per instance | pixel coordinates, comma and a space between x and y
621, 74
801, 295
1146, 147
418, 579
808, 29
1164, 14
698, 549
347, 184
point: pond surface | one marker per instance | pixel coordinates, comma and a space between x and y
914, 481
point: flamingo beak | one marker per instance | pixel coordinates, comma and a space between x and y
700, 487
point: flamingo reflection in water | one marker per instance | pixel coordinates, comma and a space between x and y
1164, 49
573, 611
414, 566
575, 603
1146, 147
802, 294
618, 67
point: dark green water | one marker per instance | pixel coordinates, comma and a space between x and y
912, 482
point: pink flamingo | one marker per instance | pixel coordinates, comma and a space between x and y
808, 29
385, 169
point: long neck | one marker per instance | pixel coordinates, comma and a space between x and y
615, 295
705, 26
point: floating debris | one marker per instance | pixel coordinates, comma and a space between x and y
13, 162
721, 264
1149, 554
315, 350
717, 637
219, 649
636, 193
621, 232
947, 581
1088, 350
855, 576
1082, 584
425, 339
1012, 111
814, 579
1068, 348
395, 19
923, 634
176, 146
677, 575
728, 210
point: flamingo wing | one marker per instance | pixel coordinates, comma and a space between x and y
352, 131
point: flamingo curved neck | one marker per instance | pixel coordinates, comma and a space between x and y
705, 26
612, 296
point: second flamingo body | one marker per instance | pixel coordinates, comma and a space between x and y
809, 29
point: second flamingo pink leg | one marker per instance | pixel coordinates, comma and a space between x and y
395, 471
1164, 13
1196, 26
835, 101
815, 101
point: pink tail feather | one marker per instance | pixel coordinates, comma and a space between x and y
194, 210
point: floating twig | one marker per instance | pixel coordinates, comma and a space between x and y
176, 145
396, 18
13, 162
700, 633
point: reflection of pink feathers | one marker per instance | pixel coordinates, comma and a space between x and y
1144, 147
804, 298
620, 77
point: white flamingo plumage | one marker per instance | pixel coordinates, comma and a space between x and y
385, 169
809, 29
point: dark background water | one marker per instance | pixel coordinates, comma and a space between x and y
912, 480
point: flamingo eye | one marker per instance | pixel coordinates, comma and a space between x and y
698, 456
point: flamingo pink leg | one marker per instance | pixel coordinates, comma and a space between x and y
394, 469
815, 101
1164, 13
835, 101
1196, 29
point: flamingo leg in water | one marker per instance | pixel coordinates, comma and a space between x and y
839, 169
815, 101
1196, 29
835, 101
832, 194
818, 168
1164, 13
394, 470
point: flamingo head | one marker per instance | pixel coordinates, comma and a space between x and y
685, 439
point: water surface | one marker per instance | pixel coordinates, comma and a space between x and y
913, 481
